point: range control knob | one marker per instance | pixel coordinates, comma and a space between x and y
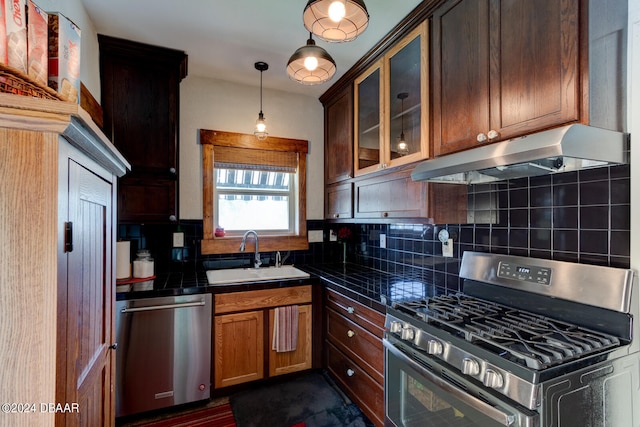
470, 366
407, 334
493, 379
434, 347
395, 326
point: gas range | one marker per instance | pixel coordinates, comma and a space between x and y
521, 325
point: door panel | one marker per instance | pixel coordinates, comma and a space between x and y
89, 298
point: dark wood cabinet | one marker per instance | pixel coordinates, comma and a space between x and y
503, 68
338, 202
354, 353
396, 196
338, 147
140, 100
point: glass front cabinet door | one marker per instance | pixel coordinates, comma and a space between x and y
391, 103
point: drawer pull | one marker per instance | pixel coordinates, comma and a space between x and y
350, 333
350, 309
350, 372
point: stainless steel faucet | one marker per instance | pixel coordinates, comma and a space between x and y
256, 261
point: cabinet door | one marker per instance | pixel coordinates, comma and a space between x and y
238, 348
368, 126
90, 294
390, 196
407, 100
338, 148
460, 70
140, 97
502, 69
339, 201
534, 71
300, 358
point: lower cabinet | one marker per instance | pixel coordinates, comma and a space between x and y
243, 328
354, 354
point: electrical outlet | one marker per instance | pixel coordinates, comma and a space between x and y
333, 237
178, 240
314, 236
383, 241
447, 249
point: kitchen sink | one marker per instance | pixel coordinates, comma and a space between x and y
247, 275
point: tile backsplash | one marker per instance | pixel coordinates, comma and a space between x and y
575, 216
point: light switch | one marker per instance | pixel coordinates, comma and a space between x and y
178, 240
383, 241
315, 236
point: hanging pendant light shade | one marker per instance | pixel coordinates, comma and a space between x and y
336, 20
311, 64
261, 126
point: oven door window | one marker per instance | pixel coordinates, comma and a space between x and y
415, 396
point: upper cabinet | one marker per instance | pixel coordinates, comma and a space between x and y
391, 104
503, 68
338, 154
140, 97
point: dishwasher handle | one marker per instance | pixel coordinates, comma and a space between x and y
163, 307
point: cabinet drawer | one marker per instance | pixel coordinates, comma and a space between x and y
358, 385
358, 343
368, 318
263, 298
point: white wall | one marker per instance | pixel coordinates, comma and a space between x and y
218, 105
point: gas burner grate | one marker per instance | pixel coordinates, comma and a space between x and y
529, 339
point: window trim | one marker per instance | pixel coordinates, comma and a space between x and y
209, 139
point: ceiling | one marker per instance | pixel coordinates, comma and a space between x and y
224, 38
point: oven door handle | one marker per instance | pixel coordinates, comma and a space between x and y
490, 411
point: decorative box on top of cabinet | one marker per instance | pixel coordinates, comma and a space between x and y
502, 69
354, 353
391, 106
141, 98
58, 185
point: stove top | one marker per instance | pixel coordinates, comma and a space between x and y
525, 338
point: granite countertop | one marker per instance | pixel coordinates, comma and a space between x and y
371, 287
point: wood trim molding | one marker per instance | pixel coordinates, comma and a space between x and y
225, 245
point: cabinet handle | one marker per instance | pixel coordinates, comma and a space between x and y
386, 214
113, 346
350, 372
172, 218
350, 333
492, 134
481, 137
336, 215
172, 171
350, 309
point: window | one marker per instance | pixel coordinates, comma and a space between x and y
241, 192
253, 185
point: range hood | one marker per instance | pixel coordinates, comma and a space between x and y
563, 149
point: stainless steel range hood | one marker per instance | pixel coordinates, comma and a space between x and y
562, 149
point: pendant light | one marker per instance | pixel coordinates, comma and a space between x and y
261, 126
311, 64
336, 20
403, 147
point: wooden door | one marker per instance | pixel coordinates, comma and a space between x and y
238, 348
460, 69
90, 296
338, 201
338, 150
535, 80
300, 358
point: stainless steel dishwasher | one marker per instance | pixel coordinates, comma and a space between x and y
164, 352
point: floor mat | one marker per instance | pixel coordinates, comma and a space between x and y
310, 399
220, 416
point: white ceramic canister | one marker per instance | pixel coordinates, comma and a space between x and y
143, 264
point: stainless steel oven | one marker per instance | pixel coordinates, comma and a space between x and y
528, 342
